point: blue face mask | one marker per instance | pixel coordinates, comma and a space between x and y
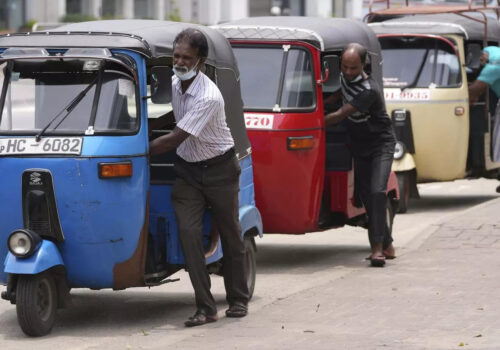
183, 73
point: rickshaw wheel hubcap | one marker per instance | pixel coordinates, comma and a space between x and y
44, 300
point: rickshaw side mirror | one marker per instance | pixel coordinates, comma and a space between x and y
331, 73
472, 54
161, 84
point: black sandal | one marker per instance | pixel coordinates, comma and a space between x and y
237, 310
200, 318
377, 262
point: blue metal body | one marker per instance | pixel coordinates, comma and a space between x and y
44, 258
102, 219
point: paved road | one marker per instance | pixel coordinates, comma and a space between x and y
297, 276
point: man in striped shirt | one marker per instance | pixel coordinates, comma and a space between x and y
207, 173
373, 142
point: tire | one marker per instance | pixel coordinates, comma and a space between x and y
36, 304
404, 191
251, 262
389, 215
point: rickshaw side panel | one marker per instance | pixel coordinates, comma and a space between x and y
288, 184
341, 185
440, 136
163, 225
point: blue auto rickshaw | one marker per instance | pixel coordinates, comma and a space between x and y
83, 203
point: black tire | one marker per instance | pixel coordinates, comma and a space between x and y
404, 191
36, 304
251, 262
389, 215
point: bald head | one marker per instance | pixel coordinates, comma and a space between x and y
355, 49
353, 61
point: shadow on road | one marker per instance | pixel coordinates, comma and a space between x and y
306, 259
108, 313
446, 203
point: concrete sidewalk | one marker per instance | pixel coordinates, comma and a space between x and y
442, 294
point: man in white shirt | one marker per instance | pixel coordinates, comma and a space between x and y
207, 173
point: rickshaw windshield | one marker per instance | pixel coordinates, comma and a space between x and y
67, 96
272, 77
419, 62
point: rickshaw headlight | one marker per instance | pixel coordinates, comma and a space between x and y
399, 150
23, 243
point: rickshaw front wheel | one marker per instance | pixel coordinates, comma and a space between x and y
251, 261
36, 303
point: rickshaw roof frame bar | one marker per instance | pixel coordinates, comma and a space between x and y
427, 10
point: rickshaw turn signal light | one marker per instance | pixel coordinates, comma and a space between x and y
300, 143
114, 170
459, 111
23, 243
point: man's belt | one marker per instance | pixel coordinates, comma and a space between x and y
215, 160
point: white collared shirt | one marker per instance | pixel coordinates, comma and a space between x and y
200, 112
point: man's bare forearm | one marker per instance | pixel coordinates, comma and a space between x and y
167, 143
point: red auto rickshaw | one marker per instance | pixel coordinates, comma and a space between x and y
303, 173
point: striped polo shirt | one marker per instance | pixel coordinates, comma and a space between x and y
200, 112
369, 125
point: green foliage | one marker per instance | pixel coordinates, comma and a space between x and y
174, 15
29, 24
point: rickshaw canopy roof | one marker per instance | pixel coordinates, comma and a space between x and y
151, 38
325, 33
440, 24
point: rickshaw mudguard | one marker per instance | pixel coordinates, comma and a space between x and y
44, 258
404, 164
250, 219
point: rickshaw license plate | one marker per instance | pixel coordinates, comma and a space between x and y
49, 145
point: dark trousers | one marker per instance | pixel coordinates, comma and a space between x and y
213, 185
371, 175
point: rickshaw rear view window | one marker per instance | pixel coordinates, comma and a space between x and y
419, 62
75, 96
284, 78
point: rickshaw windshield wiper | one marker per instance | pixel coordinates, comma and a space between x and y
419, 72
68, 108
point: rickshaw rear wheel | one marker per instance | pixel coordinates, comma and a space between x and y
404, 191
36, 303
251, 262
389, 215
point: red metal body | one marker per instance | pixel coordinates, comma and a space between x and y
289, 184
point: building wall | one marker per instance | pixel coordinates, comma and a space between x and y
47, 11
196, 11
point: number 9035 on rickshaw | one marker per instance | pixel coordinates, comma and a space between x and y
83, 204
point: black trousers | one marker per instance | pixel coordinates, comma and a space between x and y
371, 173
213, 184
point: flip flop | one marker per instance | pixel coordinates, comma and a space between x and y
387, 257
200, 318
237, 310
377, 262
